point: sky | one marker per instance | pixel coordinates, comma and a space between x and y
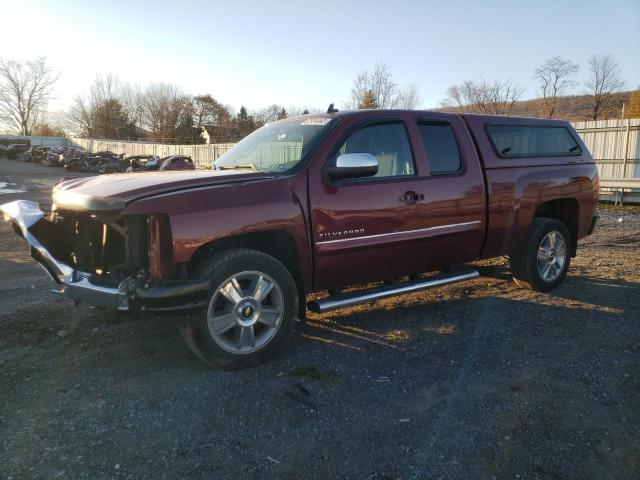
307, 53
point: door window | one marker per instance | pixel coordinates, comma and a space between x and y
441, 148
387, 142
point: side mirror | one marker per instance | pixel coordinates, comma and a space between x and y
353, 165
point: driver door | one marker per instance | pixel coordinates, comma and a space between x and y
370, 228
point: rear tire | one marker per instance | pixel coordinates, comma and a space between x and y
542, 265
251, 313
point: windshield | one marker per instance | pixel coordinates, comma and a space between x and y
277, 147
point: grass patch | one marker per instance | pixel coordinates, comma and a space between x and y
619, 208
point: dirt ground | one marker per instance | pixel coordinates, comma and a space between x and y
476, 380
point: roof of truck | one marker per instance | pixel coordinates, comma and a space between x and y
470, 117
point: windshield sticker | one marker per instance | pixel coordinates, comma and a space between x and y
316, 121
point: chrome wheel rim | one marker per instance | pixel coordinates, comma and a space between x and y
245, 312
552, 256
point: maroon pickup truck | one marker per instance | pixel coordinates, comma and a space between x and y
358, 205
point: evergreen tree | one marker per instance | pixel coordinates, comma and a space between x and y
245, 122
368, 101
111, 121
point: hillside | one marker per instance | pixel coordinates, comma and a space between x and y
574, 108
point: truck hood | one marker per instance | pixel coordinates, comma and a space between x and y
113, 192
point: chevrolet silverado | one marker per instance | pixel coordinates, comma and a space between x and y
355, 206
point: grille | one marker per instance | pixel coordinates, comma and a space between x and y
89, 243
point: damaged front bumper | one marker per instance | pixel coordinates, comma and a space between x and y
83, 287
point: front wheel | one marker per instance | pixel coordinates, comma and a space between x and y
542, 265
251, 313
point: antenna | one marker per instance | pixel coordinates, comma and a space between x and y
331, 109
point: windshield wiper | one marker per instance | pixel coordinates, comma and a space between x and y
246, 166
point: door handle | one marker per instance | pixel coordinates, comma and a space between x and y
411, 197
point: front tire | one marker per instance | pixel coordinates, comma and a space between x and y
251, 312
542, 265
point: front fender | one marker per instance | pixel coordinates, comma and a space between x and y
202, 215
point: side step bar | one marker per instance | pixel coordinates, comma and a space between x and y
373, 294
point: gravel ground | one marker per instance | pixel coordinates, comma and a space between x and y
476, 380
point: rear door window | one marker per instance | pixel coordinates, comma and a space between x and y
441, 147
511, 141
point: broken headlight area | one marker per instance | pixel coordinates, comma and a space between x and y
107, 260
132, 253
110, 248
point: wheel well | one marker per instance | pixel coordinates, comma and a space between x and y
277, 243
565, 210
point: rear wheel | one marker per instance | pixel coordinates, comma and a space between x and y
542, 265
251, 313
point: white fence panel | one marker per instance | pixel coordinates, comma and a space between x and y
615, 146
38, 140
202, 155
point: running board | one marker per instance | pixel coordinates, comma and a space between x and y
373, 294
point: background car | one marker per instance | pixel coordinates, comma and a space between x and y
17, 148
54, 157
177, 162
112, 164
34, 154
91, 162
149, 165
140, 163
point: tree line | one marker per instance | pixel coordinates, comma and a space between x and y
111, 108
161, 112
555, 79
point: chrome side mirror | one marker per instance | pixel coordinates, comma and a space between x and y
353, 165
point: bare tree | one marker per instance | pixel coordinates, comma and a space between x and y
132, 98
104, 112
25, 89
503, 96
459, 96
206, 111
604, 80
380, 82
409, 98
78, 118
168, 112
294, 110
496, 98
554, 77
269, 114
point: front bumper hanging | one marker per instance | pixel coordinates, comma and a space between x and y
78, 285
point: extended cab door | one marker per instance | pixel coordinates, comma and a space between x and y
454, 187
403, 220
